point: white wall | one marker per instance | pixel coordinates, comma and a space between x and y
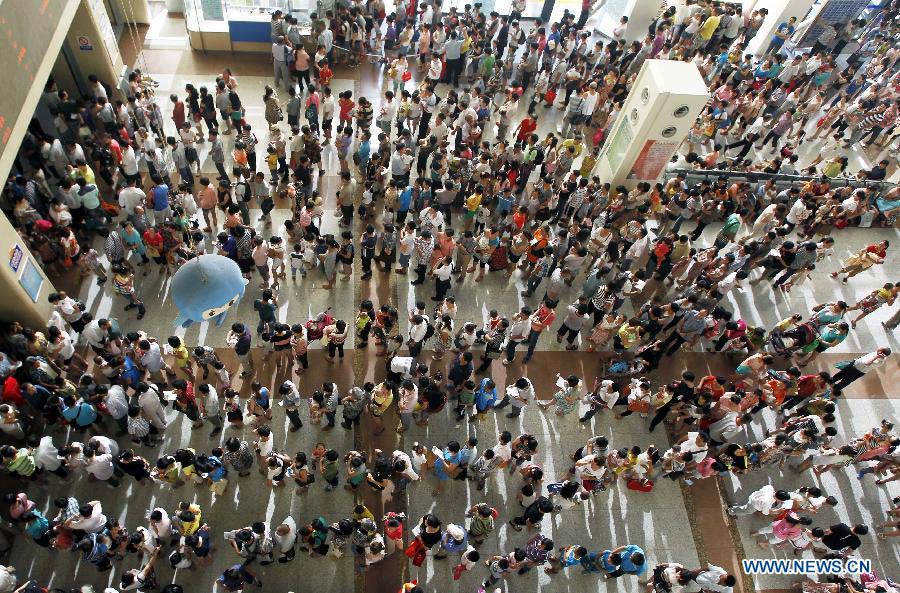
779, 12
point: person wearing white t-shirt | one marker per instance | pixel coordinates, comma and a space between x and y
695, 443
518, 396
90, 518
763, 501
388, 113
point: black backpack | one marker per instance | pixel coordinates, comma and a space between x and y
234, 100
242, 191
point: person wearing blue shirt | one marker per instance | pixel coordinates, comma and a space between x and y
624, 560
228, 245
80, 414
782, 34
403, 204
234, 578
454, 541
485, 395
446, 464
505, 202
364, 151
160, 199
592, 562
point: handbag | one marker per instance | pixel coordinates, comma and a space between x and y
416, 551
407, 76
638, 405
640, 485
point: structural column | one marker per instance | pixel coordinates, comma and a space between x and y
779, 12
93, 43
664, 102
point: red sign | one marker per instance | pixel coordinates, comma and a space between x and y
652, 159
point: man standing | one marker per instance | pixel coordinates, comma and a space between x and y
453, 56
240, 339
782, 34
539, 320
280, 54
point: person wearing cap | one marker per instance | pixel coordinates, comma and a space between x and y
217, 153
454, 541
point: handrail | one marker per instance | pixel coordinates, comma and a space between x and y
760, 176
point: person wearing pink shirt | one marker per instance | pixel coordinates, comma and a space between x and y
19, 504
786, 527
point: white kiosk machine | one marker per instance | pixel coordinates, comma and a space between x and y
665, 100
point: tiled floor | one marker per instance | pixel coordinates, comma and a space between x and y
662, 521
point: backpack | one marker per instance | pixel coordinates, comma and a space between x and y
234, 100
242, 191
312, 112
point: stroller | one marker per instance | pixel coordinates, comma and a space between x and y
315, 327
625, 368
794, 339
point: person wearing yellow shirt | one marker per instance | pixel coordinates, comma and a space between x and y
576, 142
709, 26
84, 170
587, 164
628, 335
466, 44
472, 204
182, 356
190, 517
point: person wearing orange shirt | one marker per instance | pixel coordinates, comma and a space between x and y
208, 198
540, 320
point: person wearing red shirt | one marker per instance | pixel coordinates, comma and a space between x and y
153, 241
733, 330
12, 393
540, 320
115, 149
715, 385
808, 386
525, 128
177, 111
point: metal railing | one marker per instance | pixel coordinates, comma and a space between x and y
780, 178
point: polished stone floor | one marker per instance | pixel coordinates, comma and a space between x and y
673, 523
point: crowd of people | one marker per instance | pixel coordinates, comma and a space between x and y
629, 272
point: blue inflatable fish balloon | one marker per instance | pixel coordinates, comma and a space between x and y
205, 288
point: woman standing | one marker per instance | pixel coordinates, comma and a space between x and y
566, 399
273, 113
301, 67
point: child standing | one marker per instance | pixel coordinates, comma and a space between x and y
223, 378
90, 263
276, 255
272, 162
182, 356
296, 259
328, 107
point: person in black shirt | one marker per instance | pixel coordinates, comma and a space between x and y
683, 391
878, 172
534, 514
842, 537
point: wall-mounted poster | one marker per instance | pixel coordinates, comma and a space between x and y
618, 144
15, 258
31, 279
651, 161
